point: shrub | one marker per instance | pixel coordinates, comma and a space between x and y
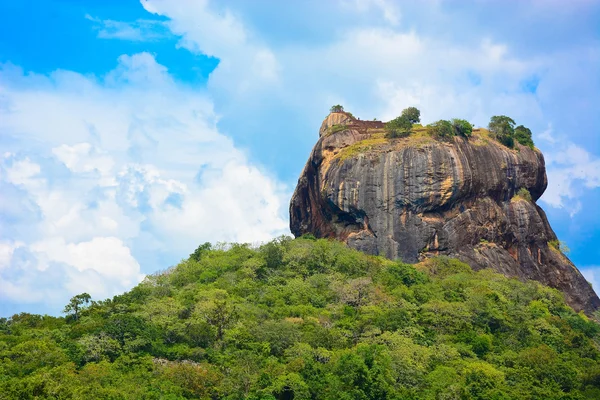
441, 129
524, 193
337, 128
336, 109
462, 127
398, 127
559, 245
503, 128
523, 136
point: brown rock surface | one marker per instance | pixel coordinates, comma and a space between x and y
416, 197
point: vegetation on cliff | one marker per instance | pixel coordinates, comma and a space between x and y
307, 319
501, 127
403, 125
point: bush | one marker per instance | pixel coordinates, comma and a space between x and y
398, 127
336, 109
503, 128
559, 245
462, 127
337, 128
523, 136
524, 193
441, 129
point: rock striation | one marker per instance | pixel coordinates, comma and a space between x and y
416, 197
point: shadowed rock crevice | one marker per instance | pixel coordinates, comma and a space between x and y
415, 197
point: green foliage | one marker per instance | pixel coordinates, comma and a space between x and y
76, 304
401, 126
503, 128
559, 245
398, 127
444, 129
462, 127
441, 129
337, 128
523, 136
307, 319
523, 193
336, 109
412, 114
197, 254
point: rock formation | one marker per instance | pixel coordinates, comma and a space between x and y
416, 197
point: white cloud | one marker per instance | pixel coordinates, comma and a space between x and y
388, 9
108, 256
245, 65
7, 249
81, 158
570, 169
119, 164
592, 275
140, 30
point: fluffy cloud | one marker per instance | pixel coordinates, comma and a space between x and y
571, 169
102, 174
220, 33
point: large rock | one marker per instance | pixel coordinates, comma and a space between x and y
416, 197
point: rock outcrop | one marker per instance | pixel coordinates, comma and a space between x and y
416, 197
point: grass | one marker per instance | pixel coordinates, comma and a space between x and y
419, 137
336, 128
522, 194
360, 147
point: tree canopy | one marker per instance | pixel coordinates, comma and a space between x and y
523, 136
308, 319
503, 128
76, 304
412, 114
401, 126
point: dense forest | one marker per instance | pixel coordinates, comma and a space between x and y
307, 319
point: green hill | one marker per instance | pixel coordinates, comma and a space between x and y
307, 319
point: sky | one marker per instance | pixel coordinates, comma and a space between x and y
133, 131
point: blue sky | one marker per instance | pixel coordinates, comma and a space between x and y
131, 132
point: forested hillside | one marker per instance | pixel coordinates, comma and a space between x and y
307, 319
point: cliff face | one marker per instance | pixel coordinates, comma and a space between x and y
416, 197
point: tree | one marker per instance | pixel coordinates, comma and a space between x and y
503, 128
398, 127
402, 126
197, 254
441, 129
523, 136
76, 304
412, 114
336, 109
462, 127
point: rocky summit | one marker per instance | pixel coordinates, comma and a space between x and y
416, 197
